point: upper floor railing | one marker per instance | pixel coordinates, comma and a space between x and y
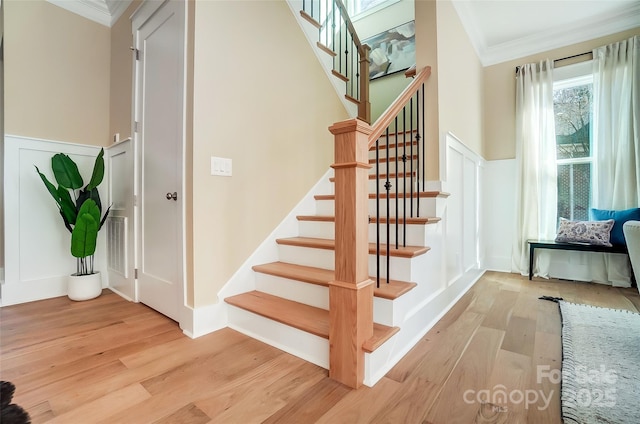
337, 37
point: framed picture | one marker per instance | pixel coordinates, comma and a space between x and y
392, 51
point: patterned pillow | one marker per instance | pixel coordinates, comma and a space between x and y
591, 232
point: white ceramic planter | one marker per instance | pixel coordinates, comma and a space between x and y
84, 287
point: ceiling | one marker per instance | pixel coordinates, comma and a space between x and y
500, 30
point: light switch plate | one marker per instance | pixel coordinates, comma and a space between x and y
221, 166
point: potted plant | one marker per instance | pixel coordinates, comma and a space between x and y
81, 210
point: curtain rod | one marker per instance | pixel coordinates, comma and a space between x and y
564, 58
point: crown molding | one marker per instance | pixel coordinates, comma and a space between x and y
117, 8
104, 12
600, 26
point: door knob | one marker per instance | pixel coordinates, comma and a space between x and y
173, 196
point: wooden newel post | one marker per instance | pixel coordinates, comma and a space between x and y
351, 294
364, 107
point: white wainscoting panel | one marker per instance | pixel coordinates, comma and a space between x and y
37, 244
462, 232
498, 214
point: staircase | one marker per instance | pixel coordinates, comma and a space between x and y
289, 307
356, 286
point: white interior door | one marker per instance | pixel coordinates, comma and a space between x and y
159, 37
120, 163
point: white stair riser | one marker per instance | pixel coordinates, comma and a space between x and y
319, 258
384, 310
289, 339
415, 234
427, 207
400, 268
298, 291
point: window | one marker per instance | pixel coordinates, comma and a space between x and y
360, 8
572, 99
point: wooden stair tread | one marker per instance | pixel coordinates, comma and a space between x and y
303, 317
421, 194
339, 76
328, 244
381, 333
298, 315
383, 220
326, 49
382, 176
311, 20
322, 277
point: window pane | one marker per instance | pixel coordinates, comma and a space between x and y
360, 6
572, 107
574, 191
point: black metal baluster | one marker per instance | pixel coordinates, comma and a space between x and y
346, 52
404, 175
424, 164
350, 76
378, 213
312, 8
333, 31
387, 187
325, 23
418, 155
411, 155
397, 169
340, 45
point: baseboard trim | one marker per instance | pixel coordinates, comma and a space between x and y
462, 285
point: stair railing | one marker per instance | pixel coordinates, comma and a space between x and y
351, 293
337, 36
404, 123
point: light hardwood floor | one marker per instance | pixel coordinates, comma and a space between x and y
112, 361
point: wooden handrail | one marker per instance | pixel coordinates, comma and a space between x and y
350, 27
395, 108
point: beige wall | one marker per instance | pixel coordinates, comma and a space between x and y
267, 111
499, 104
121, 76
427, 55
460, 89
57, 73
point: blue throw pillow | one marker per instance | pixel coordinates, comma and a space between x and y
620, 217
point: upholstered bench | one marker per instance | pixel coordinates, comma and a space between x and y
583, 247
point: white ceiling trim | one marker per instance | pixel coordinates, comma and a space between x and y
117, 8
104, 12
585, 30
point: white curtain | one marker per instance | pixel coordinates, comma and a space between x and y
616, 128
536, 185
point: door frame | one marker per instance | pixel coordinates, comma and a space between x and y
141, 15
